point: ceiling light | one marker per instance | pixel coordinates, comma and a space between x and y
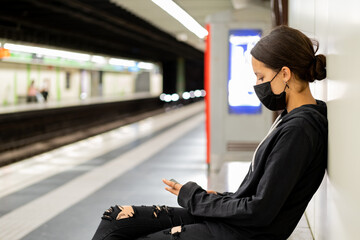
186, 95
122, 62
167, 98
183, 17
175, 97
183, 37
98, 59
145, 65
197, 93
48, 52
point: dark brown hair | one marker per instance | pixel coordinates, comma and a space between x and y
286, 46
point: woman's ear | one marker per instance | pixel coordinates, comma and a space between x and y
286, 74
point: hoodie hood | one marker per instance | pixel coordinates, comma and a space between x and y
315, 115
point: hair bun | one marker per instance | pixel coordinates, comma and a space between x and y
320, 67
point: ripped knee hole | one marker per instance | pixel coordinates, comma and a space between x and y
118, 213
175, 230
160, 209
126, 212
157, 210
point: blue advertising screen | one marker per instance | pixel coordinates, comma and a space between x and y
241, 78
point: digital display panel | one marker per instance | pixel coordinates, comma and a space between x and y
241, 78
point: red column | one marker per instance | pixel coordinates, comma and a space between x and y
207, 89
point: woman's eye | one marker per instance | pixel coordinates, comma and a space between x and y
261, 79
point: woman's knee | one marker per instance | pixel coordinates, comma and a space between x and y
118, 212
113, 220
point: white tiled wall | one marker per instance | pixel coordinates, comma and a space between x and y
334, 212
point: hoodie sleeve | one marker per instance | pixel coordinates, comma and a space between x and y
224, 193
284, 165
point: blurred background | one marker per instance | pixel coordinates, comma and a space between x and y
99, 97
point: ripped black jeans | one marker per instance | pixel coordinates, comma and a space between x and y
156, 222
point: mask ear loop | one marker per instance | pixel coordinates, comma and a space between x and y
286, 86
275, 75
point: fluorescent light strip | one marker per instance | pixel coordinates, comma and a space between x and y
98, 59
122, 62
183, 17
48, 52
145, 65
77, 56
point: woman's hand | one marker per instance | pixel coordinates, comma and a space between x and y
211, 192
174, 188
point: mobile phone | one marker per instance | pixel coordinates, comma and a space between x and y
173, 180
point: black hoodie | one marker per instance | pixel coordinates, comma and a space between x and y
287, 169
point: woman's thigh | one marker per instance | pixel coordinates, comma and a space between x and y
129, 222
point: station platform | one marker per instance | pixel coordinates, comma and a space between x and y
26, 107
62, 194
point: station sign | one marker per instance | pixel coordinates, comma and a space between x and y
241, 78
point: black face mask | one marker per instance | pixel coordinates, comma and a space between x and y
271, 100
